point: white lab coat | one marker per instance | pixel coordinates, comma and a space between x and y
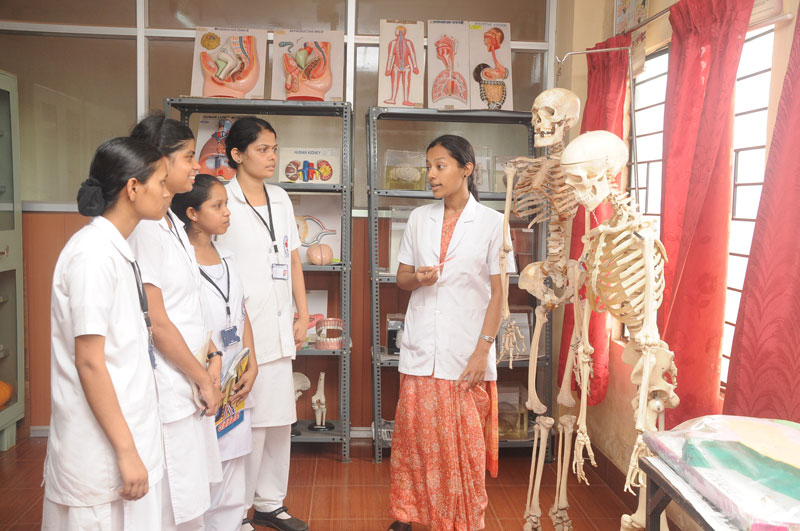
238, 441
95, 293
170, 265
269, 302
167, 261
444, 321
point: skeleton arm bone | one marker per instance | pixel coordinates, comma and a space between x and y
507, 248
511, 333
565, 393
585, 366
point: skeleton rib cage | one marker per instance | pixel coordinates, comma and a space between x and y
616, 265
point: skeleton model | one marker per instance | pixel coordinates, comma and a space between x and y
318, 402
624, 263
541, 194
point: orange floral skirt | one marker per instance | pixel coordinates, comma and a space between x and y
444, 440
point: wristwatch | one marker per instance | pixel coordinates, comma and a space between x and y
488, 339
215, 353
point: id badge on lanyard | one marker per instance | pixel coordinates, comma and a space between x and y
280, 272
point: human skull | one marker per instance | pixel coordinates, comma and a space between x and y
589, 162
554, 111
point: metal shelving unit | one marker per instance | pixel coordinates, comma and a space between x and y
380, 357
188, 106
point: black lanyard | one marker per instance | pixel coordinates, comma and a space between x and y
225, 296
271, 226
145, 312
175, 233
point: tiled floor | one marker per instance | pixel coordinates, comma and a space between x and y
332, 495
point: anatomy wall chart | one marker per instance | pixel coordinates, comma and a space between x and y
401, 63
229, 62
490, 66
448, 64
307, 65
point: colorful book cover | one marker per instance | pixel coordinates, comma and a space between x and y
229, 414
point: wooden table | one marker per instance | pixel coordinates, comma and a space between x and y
665, 485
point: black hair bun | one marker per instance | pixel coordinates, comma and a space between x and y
90, 198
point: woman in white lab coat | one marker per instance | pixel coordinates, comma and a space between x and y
204, 213
449, 260
263, 237
187, 364
104, 461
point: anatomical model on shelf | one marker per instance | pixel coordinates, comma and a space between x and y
307, 65
229, 63
319, 407
624, 264
541, 194
212, 158
301, 383
308, 71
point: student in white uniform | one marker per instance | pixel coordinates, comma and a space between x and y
104, 461
263, 237
450, 261
204, 213
172, 282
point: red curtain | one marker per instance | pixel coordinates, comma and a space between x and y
707, 40
604, 109
764, 376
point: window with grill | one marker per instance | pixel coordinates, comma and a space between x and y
749, 157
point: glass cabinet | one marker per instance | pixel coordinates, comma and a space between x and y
12, 362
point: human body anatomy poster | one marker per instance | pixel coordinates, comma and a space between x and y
308, 65
448, 64
490, 66
229, 62
401, 63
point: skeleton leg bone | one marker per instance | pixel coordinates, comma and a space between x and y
533, 510
558, 513
533, 402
